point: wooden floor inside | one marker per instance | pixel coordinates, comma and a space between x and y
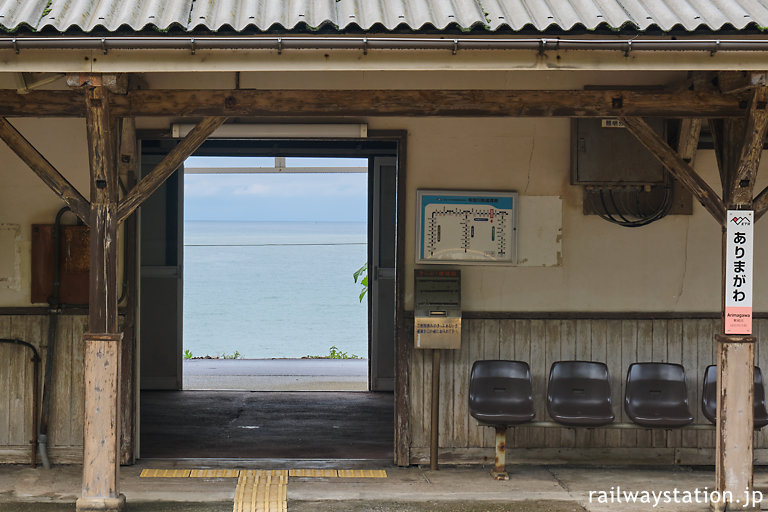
243, 424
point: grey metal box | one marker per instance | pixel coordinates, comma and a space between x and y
603, 152
437, 309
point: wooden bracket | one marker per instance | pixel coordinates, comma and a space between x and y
47, 172
116, 83
677, 166
743, 181
760, 204
734, 338
733, 82
167, 166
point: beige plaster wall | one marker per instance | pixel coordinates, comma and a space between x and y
672, 265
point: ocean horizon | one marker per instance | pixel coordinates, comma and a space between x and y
274, 289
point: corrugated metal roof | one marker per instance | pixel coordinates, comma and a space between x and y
413, 15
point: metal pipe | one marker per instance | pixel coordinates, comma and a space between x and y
435, 431
453, 44
35, 376
500, 461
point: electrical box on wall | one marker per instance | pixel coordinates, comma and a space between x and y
603, 152
437, 309
74, 263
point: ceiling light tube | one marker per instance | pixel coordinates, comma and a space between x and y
279, 131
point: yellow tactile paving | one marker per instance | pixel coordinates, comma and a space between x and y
362, 473
261, 491
314, 473
164, 473
214, 473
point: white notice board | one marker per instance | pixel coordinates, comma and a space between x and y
738, 271
466, 226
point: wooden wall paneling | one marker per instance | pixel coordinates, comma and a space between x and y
706, 349
416, 392
476, 432
5, 382
426, 414
447, 370
613, 346
507, 353
522, 352
659, 354
761, 359
674, 346
59, 429
553, 342
690, 438
462, 367
628, 356
583, 437
597, 335
491, 345
644, 353
19, 383
538, 364
567, 352
77, 382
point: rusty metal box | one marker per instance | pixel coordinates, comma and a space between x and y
437, 309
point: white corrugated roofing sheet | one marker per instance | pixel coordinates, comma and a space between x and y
403, 15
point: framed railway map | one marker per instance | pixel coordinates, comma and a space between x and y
472, 227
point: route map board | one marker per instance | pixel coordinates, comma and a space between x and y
469, 227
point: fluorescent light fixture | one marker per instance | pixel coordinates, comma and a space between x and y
279, 131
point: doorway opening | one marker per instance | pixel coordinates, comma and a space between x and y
196, 274
270, 249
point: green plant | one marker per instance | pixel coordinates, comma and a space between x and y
362, 274
335, 353
187, 354
234, 355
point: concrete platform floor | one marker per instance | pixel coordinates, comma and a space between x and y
267, 425
451, 489
277, 374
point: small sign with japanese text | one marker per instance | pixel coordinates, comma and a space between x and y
738, 272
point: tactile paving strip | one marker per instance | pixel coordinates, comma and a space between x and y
314, 473
362, 473
164, 473
262, 491
214, 473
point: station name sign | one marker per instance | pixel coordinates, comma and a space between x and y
738, 272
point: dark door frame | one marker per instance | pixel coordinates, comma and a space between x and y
378, 142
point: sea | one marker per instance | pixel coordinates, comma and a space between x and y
274, 289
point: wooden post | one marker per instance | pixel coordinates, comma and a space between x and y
739, 146
102, 351
435, 429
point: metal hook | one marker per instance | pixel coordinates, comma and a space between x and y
15, 46
365, 46
104, 45
279, 45
192, 45
455, 46
629, 48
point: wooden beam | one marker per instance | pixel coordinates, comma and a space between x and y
127, 172
733, 82
679, 168
727, 135
688, 142
743, 181
167, 166
475, 103
760, 204
43, 168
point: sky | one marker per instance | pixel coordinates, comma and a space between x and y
326, 197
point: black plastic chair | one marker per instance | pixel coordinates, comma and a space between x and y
709, 397
500, 395
500, 392
579, 394
656, 395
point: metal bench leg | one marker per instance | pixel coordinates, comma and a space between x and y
500, 462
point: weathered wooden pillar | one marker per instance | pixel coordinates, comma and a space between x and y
102, 351
739, 145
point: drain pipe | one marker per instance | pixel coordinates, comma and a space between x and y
54, 308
